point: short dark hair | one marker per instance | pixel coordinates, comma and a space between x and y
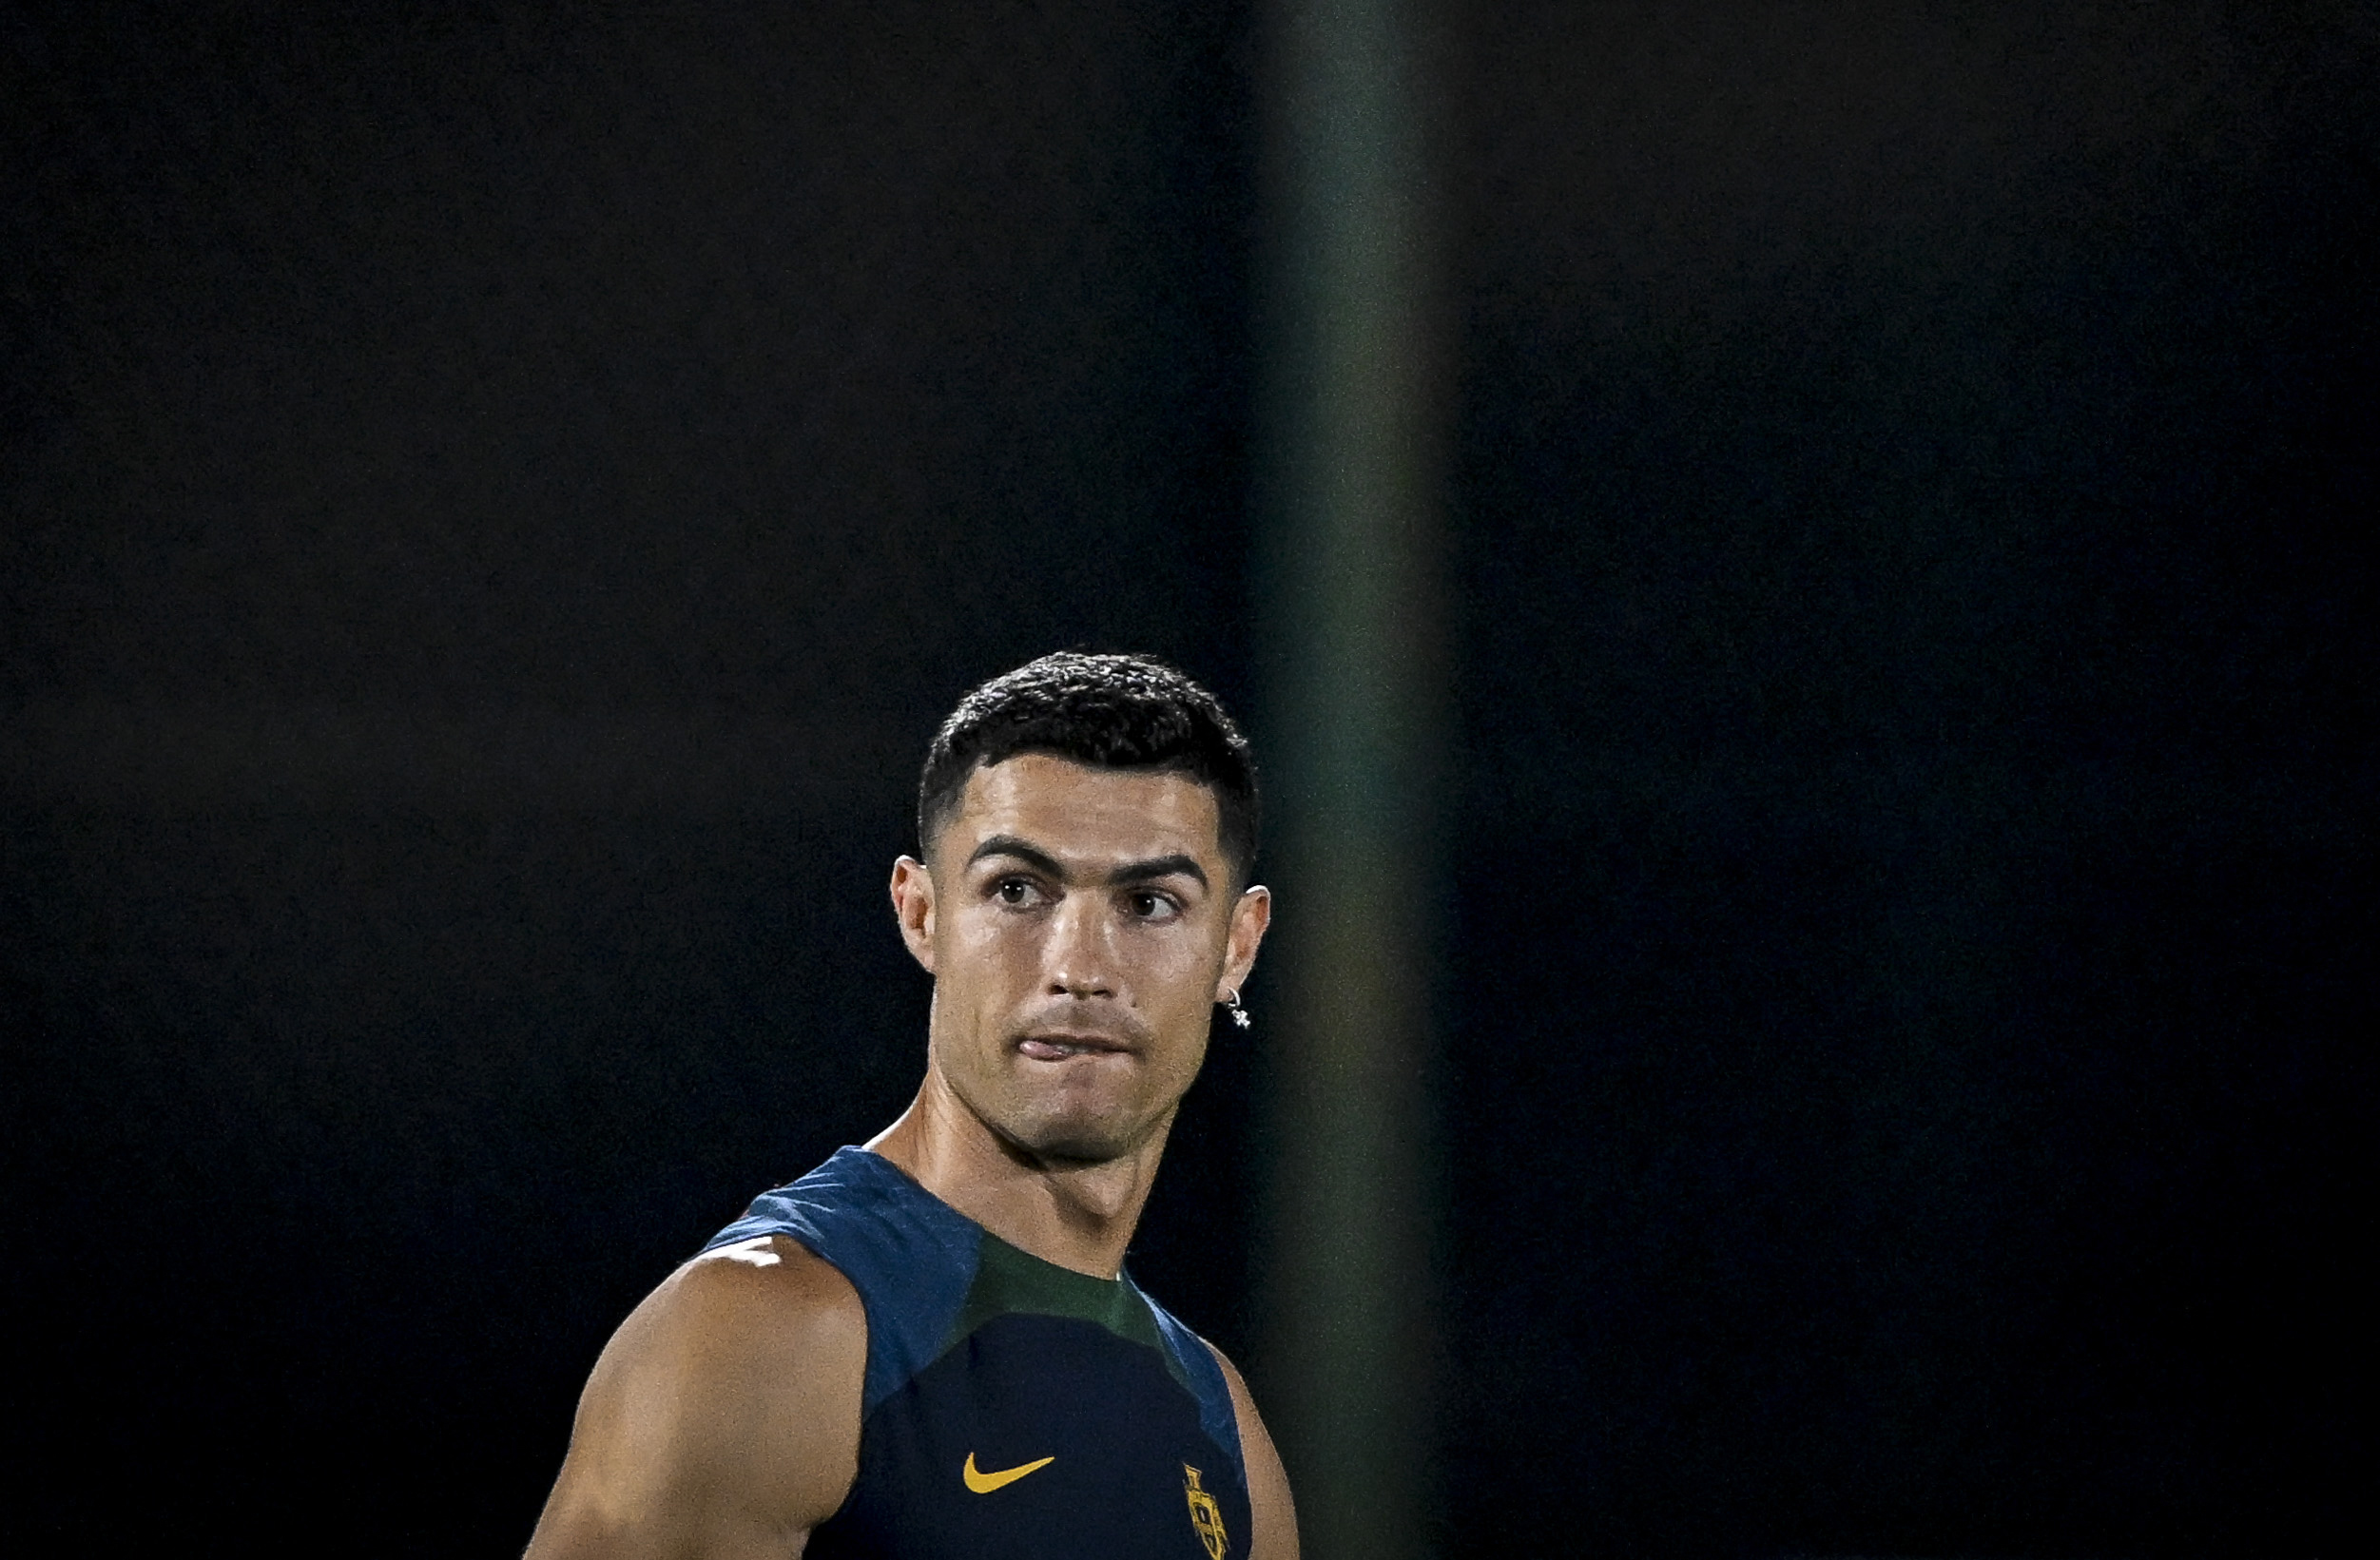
1106, 712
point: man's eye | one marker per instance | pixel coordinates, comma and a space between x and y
1149, 906
1014, 891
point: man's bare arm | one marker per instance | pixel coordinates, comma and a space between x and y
1269, 1510
722, 1419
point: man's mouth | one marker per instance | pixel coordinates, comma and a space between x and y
1058, 1048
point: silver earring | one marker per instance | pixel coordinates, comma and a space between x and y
1239, 1015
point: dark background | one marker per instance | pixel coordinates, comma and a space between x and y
497, 499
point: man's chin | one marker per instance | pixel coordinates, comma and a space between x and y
1077, 1141
1073, 1129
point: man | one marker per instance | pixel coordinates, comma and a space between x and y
927, 1347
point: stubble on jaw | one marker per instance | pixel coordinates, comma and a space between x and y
1039, 1128
1084, 1146
1087, 1179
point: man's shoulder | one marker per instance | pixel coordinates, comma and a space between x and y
763, 1316
763, 1293
725, 1410
909, 1256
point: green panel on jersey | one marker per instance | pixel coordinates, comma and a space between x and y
1010, 1281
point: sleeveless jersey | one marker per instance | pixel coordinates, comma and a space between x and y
1013, 1410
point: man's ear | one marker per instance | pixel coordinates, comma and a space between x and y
1250, 916
912, 907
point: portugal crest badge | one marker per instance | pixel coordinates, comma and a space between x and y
1206, 1516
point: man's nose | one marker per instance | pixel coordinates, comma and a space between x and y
1079, 958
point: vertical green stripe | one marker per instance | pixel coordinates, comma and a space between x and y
1349, 563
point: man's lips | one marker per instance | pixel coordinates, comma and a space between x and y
1062, 1047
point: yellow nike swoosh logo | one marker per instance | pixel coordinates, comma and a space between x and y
983, 1484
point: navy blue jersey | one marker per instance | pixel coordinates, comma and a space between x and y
1013, 1410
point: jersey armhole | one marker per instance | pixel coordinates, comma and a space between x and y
1196, 1358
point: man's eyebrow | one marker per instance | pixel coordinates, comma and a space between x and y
1157, 866
1131, 872
1008, 844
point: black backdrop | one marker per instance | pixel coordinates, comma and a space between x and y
497, 499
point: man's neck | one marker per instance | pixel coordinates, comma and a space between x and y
1077, 1216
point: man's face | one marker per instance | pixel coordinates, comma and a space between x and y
1080, 924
